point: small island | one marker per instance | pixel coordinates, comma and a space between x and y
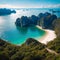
54, 11
4, 11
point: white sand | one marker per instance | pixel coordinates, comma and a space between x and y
49, 36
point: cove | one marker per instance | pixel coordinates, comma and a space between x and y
17, 35
20, 35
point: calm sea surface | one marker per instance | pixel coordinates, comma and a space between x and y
17, 35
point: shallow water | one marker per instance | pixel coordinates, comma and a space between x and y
18, 35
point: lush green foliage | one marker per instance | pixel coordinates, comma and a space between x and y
32, 49
55, 44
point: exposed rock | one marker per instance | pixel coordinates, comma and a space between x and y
31, 40
18, 22
44, 20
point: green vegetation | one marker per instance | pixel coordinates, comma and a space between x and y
28, 51
32, 49
55, 44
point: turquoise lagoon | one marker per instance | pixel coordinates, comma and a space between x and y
17, 35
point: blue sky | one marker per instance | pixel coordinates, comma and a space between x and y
30, 3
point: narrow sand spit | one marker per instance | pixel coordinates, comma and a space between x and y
49, 36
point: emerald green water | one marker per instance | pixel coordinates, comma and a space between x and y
17, 35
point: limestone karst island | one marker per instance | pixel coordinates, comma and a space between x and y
30, 30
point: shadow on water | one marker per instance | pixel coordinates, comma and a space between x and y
22, 30
26, 30
4, 11
32, 28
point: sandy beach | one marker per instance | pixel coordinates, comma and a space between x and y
49, 36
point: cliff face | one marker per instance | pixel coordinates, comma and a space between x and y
26, 21
48, 21
45, 20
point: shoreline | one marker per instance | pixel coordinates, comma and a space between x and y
49, 36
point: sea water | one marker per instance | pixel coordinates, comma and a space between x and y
17, 35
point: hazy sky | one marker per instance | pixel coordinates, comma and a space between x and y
29, 3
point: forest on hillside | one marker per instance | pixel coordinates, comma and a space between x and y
32, 49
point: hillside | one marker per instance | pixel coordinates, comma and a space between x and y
32, 49
55, 44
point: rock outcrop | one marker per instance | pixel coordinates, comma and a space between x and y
45, 20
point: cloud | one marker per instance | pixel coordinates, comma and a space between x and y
53, 6
49, 6
37, 6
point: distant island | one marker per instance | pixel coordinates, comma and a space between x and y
54, 11
45, 20
4, 11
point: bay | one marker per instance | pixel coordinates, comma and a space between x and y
17, 35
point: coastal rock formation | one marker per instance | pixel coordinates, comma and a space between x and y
23, 21
26, 21
34, 19
18, 22
4, 11
45, 20
30, 41
32, 49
